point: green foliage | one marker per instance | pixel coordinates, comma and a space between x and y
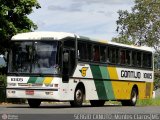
122, 39
3, 80
149, 102
142, 24
14, 19
157, 79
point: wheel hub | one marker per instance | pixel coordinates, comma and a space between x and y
134, 97
78, 95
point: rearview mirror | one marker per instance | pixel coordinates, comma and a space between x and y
6, 55
65, 57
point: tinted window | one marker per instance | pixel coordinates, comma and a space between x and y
139, 59
89, 52
147, 60
128, 57
103, 51
134, 58
96, 53
122, 56
82, 51
69, 43
112, 55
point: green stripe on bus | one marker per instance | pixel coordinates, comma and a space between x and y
40, 80
98, 82
32, 80
107, 83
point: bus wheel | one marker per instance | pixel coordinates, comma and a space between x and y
34, 103
78, 98
97, 103
133, 99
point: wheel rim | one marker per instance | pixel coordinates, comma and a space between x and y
134, 97
79, 95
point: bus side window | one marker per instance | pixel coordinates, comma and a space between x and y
103, 53
117, 56
89, 52
134, 58
144, 60
122, 57
81, 51
147, 60
139, 60
112, 55
108, 55
128, 57
96, 54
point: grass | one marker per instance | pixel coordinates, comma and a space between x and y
149, 102
144, 102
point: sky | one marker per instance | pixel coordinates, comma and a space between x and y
90, 18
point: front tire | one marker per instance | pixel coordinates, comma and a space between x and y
97, 103
78, 98
133, 98
34, 103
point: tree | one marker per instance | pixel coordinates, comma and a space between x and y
14, 19
142, 24
122, 39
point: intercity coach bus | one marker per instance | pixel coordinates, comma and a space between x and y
58, 66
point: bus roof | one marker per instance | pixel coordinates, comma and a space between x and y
42, 36
61, 35
145, 48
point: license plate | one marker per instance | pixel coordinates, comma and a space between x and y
29, 92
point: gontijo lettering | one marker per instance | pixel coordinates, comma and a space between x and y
134, 74
130, 74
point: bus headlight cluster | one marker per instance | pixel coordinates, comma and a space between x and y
11, 91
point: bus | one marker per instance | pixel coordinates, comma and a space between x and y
59, 66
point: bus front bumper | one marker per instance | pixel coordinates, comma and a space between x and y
32, 93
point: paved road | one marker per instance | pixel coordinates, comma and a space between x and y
66, 109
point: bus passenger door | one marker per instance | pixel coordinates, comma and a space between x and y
69, 58
66, 64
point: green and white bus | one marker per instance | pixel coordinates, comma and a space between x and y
58, 66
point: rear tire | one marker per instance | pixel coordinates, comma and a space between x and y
97, 103
34, 103
78, 98
133, 98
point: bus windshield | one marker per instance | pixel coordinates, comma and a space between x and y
34, 57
